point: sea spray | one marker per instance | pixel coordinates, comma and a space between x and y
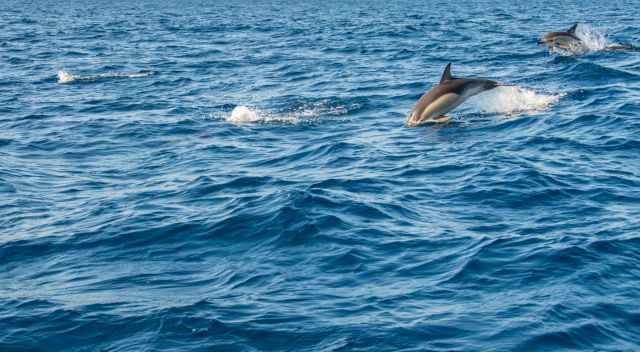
242, 114
65, 77
513, 100
592, 38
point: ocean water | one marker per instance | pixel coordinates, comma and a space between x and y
236, 176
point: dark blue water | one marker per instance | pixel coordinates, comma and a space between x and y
137, 215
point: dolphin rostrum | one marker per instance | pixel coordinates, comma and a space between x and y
446, 96
563, 40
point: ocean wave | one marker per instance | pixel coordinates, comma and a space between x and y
264, 194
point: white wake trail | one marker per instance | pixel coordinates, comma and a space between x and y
309, 112
67, 77
245, 115
510, 100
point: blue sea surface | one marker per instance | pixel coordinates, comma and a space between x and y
139, 213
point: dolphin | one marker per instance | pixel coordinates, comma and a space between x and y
446, 96
620, 47
563, 40
570, 41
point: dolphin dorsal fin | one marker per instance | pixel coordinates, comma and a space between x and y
446, 75
572, 30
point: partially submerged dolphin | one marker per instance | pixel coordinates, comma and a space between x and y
446, 96
570, 41
564, 40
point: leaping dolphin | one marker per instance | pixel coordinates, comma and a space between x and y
570, 41
563, 40
446, 96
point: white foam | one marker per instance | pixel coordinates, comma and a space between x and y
242, 114
513, 100
138, 74
65, 77
593, 39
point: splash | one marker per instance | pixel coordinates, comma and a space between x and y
66, 77
511, 100
592, 39
242, 114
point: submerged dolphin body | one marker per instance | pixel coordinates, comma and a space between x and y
564, 40
446, 96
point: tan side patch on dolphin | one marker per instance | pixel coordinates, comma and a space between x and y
441, 106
